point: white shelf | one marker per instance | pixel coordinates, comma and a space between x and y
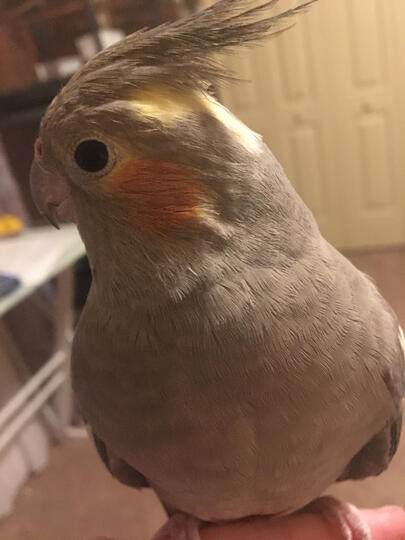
36, 256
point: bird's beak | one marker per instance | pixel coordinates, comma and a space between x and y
51, 193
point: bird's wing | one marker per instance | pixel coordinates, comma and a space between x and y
376, 455
117, 466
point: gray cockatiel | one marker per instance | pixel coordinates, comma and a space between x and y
227, 355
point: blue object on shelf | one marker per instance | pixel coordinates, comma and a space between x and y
8, 284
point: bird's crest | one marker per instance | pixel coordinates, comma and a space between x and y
183, 53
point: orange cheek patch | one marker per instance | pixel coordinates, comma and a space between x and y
162, 195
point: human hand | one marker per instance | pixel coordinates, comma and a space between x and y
386, 523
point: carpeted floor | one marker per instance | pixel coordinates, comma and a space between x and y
76, 499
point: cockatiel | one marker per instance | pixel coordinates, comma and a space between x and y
227, 355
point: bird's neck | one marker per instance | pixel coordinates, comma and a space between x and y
127, 273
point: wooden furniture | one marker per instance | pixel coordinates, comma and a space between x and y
17, 56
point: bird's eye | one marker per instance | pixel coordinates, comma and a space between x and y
91, 155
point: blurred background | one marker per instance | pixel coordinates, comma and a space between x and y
329, 98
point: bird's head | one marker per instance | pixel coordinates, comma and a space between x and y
150, 158
136, 139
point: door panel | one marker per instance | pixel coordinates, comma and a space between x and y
370, 120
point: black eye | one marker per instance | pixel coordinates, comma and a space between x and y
91, 155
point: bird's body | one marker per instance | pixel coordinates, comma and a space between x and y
227, 355
250, 394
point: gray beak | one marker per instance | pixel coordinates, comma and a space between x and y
51, 193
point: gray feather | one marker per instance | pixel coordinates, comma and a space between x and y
239, 363
187, 45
